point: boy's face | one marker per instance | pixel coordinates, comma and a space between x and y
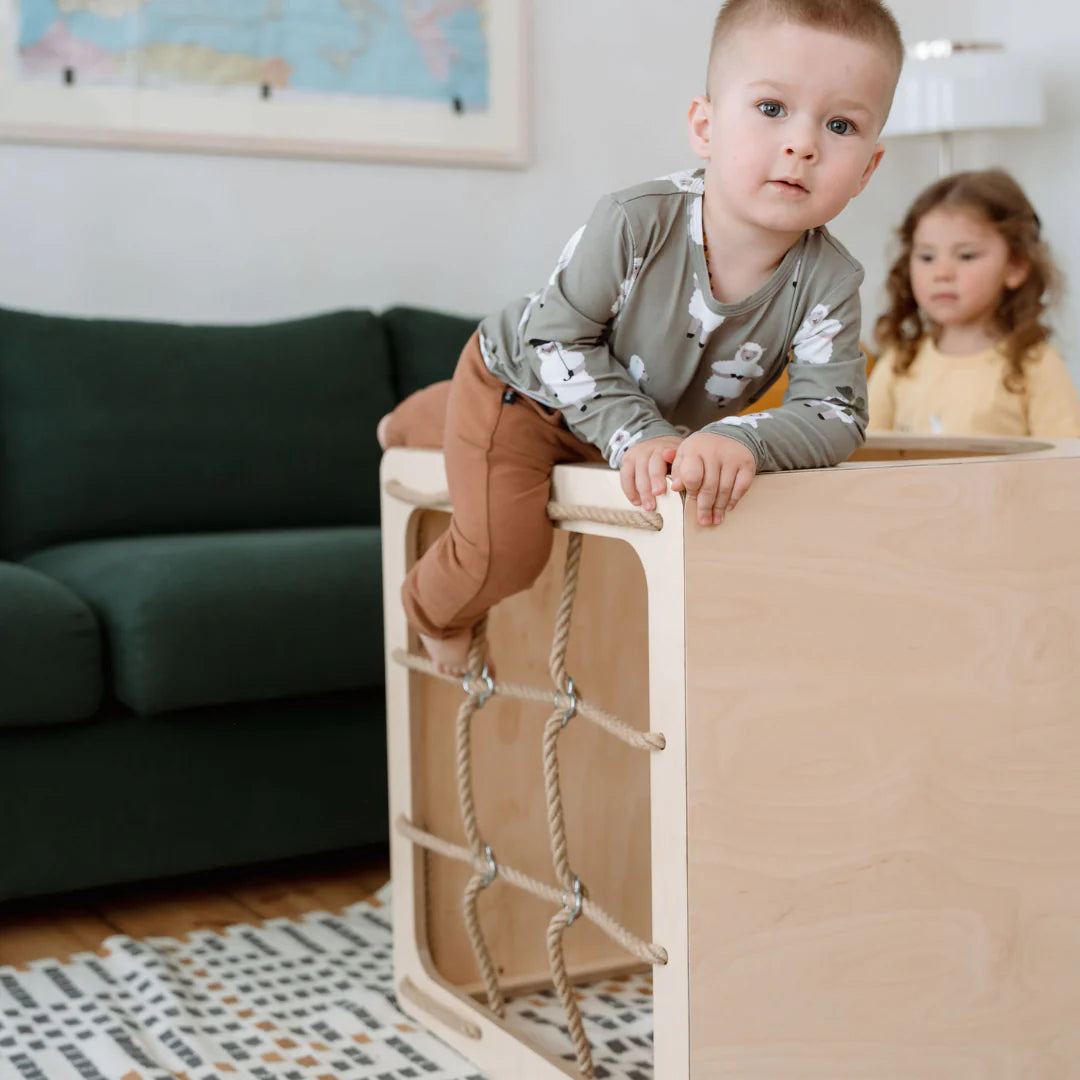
790, 131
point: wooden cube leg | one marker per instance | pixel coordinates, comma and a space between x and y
625, 655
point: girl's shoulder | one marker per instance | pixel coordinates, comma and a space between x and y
1043, 352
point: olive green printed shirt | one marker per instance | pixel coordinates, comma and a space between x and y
627, 340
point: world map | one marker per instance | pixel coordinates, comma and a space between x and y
419, 50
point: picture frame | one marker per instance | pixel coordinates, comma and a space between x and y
258, 109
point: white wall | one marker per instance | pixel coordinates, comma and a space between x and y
188, 237
1045, 161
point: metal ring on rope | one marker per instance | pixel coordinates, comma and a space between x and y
575, 911
480, 695
571, 708
493, 867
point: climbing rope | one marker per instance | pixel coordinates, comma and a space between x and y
474, 700
603, 515
570, 896
571, 885
645, 951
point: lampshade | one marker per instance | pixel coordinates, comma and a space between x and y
961, 87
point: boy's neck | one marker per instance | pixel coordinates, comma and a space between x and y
741, 258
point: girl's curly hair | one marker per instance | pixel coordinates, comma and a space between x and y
998, 199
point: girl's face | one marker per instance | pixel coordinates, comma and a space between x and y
960, 268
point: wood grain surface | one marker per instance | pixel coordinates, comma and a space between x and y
883, 770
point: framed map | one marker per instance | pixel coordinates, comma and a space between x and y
420, 80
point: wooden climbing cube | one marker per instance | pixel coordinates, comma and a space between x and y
860, 844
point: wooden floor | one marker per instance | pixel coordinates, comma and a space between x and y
33, 930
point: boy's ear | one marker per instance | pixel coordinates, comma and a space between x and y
700, 126
871, 168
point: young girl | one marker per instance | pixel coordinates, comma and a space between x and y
966, 349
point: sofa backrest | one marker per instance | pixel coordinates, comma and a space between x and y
425, 345
114, 428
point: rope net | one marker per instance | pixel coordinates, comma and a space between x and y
570, 896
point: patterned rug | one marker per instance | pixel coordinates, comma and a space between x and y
304, 999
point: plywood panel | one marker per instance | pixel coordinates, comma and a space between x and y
883, 755
605, 784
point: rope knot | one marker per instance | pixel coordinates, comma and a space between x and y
576, 901
492, 867
566, 702
481, 695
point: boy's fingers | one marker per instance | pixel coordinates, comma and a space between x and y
626, 479
728, 476
644, 483
676, 466
658, 467
689, 473
741, 486
706, 496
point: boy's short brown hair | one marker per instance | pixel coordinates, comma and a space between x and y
863, 20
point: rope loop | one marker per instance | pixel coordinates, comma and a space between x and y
574, 909
631, 519
566, 702
481, 696
493, 867
645, 951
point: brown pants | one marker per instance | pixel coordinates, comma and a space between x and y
500, 447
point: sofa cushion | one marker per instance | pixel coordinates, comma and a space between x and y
228, 617
426, 345
112, 428
50, 651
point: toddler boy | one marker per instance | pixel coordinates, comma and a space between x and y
678, 303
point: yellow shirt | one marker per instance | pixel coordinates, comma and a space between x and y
966, 395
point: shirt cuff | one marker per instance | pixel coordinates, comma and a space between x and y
623, 439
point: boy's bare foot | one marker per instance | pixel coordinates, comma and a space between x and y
380, 431
451, 654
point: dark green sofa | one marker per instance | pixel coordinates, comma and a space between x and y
191, 670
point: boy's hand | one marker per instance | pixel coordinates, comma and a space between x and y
714, 470
644, 468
